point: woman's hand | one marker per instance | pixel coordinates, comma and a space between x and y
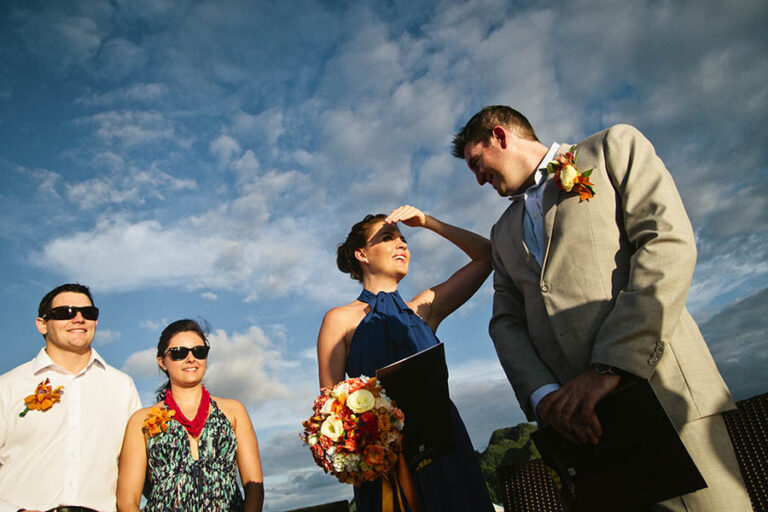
408, 215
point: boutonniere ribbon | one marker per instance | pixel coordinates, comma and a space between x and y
568, 177
43, 398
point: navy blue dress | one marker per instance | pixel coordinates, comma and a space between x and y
388, 333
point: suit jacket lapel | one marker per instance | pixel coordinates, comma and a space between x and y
549, 202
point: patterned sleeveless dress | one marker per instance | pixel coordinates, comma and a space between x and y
180, 483
451, 483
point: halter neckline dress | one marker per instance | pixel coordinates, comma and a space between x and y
389, 332
182, 483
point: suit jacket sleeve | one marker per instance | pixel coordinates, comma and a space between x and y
509, 330
647, 310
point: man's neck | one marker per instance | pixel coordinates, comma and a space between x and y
73, 362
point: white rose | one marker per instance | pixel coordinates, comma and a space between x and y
326, 409
360, 401
567, 175
332, 427
340, 389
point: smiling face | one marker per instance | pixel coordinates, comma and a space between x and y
72, 336
188, 371
386, 251
499, 162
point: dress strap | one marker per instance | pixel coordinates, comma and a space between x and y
367, 297
389, 302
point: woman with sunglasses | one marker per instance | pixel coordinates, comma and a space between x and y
380, 328
184, 451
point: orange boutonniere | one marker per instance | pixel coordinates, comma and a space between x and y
43, 398
157, 420
568, 177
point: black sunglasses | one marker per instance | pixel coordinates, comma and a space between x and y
70, 312
180, 353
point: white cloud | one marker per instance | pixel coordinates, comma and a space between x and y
245, 365
134, 186
46, 181
225, 148
142, 364
105, 336
127, 129
209, 296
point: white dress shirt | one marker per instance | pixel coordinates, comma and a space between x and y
68, 454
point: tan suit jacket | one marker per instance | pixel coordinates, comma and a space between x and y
612, 286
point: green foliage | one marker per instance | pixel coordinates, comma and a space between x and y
508, 446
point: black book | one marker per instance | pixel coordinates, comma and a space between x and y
419, 386
640, 459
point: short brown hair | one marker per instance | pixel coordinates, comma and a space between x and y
480, 127
45, 304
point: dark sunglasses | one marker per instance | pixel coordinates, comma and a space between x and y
180, 353
70, 312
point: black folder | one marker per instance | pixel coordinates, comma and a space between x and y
419, 386
640, 459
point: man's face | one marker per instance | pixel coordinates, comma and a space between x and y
73, 335
496, 162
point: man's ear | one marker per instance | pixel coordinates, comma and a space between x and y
500, 134
361, 256
42, 327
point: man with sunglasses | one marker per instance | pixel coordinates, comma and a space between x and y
63, 415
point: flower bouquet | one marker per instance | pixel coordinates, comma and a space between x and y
355, 431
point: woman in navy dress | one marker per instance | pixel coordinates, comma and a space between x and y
379, 328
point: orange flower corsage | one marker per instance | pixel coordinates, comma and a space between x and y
43, 398
157, 420
568, 177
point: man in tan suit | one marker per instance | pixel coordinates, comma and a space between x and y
589, 290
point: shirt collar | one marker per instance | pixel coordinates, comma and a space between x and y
540, 174
43, 361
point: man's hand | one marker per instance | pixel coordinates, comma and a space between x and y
571, 409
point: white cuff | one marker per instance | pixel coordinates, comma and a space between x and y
540, 393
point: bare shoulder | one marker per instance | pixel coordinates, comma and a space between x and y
233, 409
348, 313
341, 321
140, 415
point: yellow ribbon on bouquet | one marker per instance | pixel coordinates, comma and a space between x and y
398, 484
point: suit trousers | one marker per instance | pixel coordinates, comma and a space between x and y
709, 444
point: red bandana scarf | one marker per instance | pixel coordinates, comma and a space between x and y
195, 426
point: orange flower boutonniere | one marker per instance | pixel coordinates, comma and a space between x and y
43, 398
157, 420
568, 177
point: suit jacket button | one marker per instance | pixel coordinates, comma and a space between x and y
544, 288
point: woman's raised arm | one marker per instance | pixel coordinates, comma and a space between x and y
436, 303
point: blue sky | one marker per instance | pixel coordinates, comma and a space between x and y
203, 159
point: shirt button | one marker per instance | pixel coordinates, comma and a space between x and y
544, 288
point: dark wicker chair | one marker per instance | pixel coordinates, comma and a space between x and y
748, 428
529, 488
